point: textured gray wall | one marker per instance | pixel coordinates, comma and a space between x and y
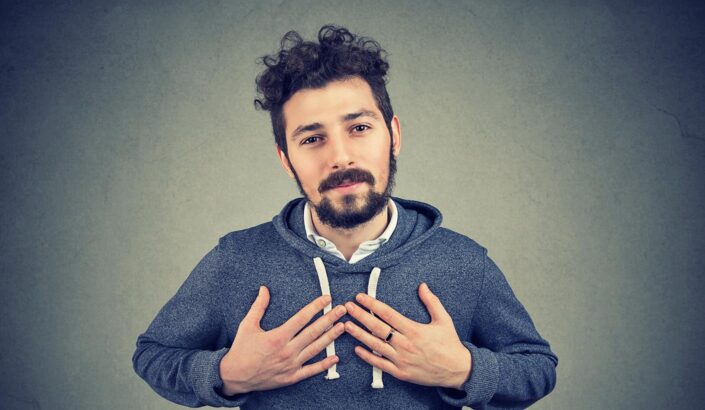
568, 138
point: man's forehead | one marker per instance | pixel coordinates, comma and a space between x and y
329, 104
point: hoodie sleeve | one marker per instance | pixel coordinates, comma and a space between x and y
512, 366
179, 354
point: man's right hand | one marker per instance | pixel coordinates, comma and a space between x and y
265, 360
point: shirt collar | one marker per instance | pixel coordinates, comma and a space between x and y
313, 235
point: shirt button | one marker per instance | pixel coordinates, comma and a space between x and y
321, 243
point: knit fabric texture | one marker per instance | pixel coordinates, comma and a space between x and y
179, 353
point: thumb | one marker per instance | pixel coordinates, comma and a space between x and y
259, 306
433, 304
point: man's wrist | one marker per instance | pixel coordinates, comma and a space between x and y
230, 387
225, 390
463, 374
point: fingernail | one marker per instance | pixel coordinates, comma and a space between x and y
335, 359
425, 287
259, 292
339, 310
360, 297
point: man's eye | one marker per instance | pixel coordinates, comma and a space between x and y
310, 140
360, 128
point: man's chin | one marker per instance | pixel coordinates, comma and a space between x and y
349, 211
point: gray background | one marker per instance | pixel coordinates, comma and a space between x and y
568, 138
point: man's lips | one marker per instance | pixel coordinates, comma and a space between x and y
348, 186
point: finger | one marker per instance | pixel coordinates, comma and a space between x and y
376, 326
301, 318
259, 306
317, 328
321, 343
315, 368
377, 361
376, 344
433, 304
386, 313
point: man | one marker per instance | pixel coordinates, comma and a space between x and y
423, 318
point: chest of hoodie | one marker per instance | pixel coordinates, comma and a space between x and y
293, 282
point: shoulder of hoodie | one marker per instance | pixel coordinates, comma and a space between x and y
451, 241
457, 243
255, 237
236, 248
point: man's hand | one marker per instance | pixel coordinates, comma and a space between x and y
265, 360
428, 354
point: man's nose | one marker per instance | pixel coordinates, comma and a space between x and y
340, 153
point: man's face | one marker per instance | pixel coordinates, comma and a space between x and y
340, 151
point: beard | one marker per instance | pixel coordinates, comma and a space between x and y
350, 215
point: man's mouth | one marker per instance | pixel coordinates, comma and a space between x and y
347, 183
346, 186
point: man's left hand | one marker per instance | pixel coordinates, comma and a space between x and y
427, 354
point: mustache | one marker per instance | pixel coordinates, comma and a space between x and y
351, 175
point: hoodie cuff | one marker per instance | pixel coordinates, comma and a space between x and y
482, 383
207, 383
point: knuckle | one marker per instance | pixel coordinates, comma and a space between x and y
325, 322
284, 355
331, 316
272, 345
310, 334
290, 378
412, 332
326, 338
309, 352
300, 321
384, 314
404, 344
302, 373
277, 341
331, 335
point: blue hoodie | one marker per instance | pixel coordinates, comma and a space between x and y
180, 352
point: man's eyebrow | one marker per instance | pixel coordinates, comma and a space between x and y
305, 128
317, 125
361, 113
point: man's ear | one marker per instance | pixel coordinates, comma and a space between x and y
284, 161
396, 136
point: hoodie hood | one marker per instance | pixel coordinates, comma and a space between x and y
416, 222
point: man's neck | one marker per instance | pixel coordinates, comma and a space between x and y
348, 240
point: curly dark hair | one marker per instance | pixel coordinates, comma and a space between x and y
301, 64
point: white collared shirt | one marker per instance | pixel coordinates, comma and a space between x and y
365, 249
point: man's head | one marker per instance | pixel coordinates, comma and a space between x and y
333, 122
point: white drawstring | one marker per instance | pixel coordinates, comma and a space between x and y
325, 290
330, 349
372, 291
